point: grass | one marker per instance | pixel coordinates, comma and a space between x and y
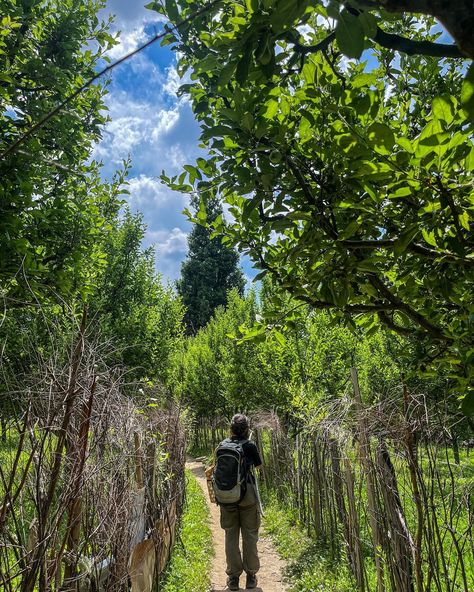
190, 564
308, 568
204, 454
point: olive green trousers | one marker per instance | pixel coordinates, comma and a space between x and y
242, 519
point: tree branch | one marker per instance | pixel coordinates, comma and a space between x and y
350, 308
435, 331
391, 41
321, 46
386, 320
457, 17
413, 47
413, 247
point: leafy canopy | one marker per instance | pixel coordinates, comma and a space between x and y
350, 182
53, 206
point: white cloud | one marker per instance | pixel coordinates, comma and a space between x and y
170, 242
130, 19
173, 81
171, 247
120, 136
166, 121
156, 136
128, 41
132, 12
145, 190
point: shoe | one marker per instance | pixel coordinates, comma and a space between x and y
233, 583
251, 581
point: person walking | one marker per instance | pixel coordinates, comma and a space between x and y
240, 517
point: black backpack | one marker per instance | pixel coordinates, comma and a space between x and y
230, 473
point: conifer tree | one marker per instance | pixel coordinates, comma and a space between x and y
208, 273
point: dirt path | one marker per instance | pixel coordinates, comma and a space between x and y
270, 574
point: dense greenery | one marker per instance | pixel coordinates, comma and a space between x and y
66, 243
349, 182
53, 205
140, 316
209, 271
217, 374
191, 562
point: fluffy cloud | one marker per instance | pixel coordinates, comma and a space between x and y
171, 247
153, 127
128, 41
169, 243
157, 135
130, 12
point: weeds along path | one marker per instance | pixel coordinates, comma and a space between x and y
270, 574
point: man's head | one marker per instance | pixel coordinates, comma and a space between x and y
239, 426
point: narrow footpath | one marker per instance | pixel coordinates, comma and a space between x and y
270, 574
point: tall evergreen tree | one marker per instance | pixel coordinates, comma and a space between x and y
209, 272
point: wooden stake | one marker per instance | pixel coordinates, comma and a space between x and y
366, 462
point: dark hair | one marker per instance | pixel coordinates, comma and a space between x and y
239, 426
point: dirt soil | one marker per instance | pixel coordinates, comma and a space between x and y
271, 566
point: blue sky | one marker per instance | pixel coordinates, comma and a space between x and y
155, 128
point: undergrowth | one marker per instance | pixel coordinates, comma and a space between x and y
189, 567
308, 567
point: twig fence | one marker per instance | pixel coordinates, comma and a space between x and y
381, 485
91, 483
384, 486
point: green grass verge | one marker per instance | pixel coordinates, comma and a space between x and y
190, 564
308, 568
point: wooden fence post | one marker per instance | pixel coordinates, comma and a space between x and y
411, 447
298, 476
400, 546
317, 486
259, 444
366, 462
138, 461
357, 556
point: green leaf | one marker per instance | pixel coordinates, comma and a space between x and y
429, 237
364, 79
218, 130
401, 192
367, 265
201, 214
407, 236
279, 337
464, 220
272, 109
350, 230
381, 137
406, 144
467, 93
442, 108
350, 35
242, 70
369, 23
172, 10
260, 276
252, 5
333, 9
